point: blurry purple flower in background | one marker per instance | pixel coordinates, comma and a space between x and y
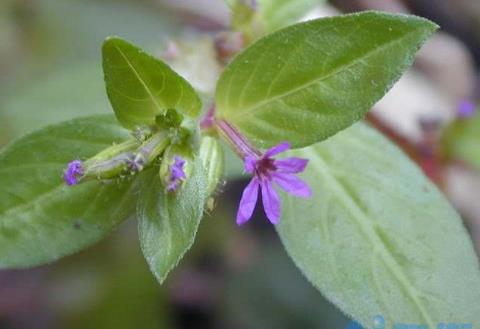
466, 109
177, 173
73, 172
267, 171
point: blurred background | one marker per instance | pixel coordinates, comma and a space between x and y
50, 71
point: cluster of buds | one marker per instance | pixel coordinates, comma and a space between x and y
147, 147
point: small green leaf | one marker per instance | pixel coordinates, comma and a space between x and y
257, 17
308, 81
462, 141
378, 237
168, 221
244, 18
280, 13
43, 219
140, 87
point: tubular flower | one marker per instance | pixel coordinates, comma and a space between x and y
177, 174
267, 171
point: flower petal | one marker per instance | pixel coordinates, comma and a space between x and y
73, 172
249, 164
248, 201
173, 185
177, 170
292, 184
291, 165
271, 201
282, 147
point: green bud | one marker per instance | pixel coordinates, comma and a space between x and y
171, 119
113, 151
173, 156
211, 155
141, 134
108, 169
150, 150
111, 162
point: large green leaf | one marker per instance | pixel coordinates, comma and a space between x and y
41, 218
378, 238
140, 87
308, 81
462, 141
168, 221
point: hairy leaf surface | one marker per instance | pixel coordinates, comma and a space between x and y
43, 219
308, 81
168, 221
378, 238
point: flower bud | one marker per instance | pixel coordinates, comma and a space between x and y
171, 119
211, 155
150, 150
109, 163
108, 169
176, 166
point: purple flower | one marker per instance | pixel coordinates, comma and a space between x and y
177, 174
73, 172
267, 171
466, 109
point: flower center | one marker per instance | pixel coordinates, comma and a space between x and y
264, 166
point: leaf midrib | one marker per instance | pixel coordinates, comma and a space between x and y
240, 114
377, 243
139, 77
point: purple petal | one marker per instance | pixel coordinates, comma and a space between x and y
291, 165
177, 171
292, 184
179, 162
73, 172
271, 201
248, 201
250, 163
282, 147
173, 185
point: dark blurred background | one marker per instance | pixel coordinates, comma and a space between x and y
233, 277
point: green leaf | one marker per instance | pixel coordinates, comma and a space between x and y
140, 87
308, 81
43, 219
280, 13
169, 221
462, 141
378, 237
257, 17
